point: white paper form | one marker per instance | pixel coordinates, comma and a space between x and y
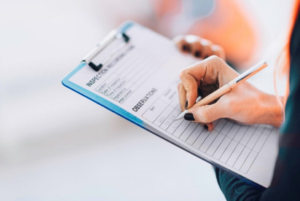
236, 147
142, 78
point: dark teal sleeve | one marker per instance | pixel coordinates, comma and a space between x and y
235, 189
285, 184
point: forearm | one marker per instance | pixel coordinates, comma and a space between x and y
272, 110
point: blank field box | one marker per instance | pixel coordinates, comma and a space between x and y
175, 103
240, 161
246, 166
260, 128
169, 96
163, 116
138, 74
226, 128
170, 119
253, 139
273, 131
201, 139
222, 148
175, 125
240, 134
259, 144
247, 135
234, 129
228, 151
188, 131
267, 130
181, 128
195, 134
111, 78
134, 87
216, 143
155, 110
216, 122
235, 154
220, 125
211, 137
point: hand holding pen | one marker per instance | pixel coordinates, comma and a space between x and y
243, 103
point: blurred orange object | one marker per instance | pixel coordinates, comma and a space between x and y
222, 22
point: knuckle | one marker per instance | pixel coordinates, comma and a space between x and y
215, 49
215, 58
183, 73
205, 43
218, 50
197, 45
221, 49
191, 38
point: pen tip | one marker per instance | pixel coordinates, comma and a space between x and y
181, 115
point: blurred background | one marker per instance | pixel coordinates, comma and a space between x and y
57, 145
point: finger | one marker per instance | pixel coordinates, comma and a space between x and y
210, 126
208, 113
182, 44
204, 71
182, 96
206, 48
190, 85
194, 44
178, 40
207, 126
196, 48
218, 51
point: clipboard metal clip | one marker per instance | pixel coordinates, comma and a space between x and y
110, 38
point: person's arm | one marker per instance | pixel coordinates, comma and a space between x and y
286, 178
245, 103
249, 105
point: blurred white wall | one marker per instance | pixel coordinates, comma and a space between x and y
57, 145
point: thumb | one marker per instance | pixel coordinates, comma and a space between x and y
207, 113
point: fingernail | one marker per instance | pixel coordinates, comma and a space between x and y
197, 54
206, 127
186, 104
189, 117
186, 48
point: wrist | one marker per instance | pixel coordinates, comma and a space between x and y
272, 110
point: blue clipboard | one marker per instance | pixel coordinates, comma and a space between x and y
97, 99
126, 115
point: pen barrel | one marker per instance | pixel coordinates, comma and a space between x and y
213, 96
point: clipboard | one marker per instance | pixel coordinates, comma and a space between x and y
113, 35
95, 64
